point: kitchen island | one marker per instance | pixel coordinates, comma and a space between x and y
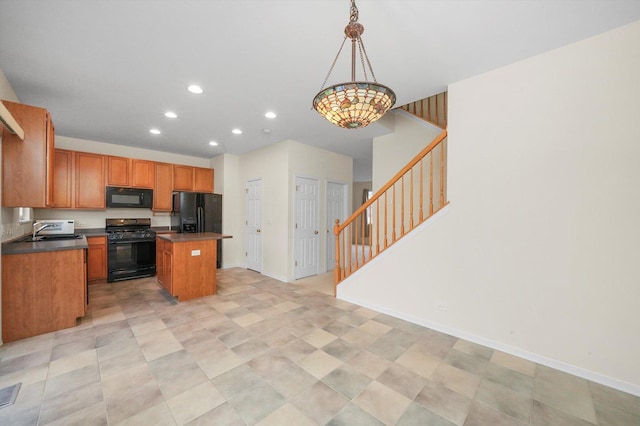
186, 263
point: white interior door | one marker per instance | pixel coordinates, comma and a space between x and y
307, 228
254, 225
336, 209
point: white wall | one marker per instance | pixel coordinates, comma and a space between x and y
227, 182
278, 165
393, 151
311, 162
537, 253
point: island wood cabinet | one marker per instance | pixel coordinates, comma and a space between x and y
163, 187
42, 292
163, 264
195, 179
186, 269
97, 258
130, 172
27, 165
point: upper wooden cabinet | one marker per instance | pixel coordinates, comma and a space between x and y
142, 173
197, 179
63, 179
130, 172
89, 181
163, 188
203, 180
27, 165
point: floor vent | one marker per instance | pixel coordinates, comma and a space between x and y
8, 395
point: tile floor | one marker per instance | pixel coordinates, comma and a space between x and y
270, 353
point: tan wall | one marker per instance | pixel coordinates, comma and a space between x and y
536, 254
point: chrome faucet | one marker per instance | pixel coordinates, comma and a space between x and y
42, 225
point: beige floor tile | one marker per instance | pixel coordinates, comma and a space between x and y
318, 338
418, 363
74, 362
369, 364
148, 327
158, 343
195, 402
219, 363
248, 319
518, 364
319, 364
375, 328
457, 380
382, 402
158, 415
286, 415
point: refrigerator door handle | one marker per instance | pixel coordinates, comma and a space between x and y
200, 219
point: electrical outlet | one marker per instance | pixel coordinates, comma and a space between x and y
82, 224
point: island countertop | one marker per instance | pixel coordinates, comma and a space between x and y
185, 237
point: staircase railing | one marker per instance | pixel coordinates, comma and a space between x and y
413, 195
432, 109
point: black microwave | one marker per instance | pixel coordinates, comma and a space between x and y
129, 197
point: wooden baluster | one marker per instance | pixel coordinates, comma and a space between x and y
386, 216
402, 205
393, 223
441, 175
336, 270
377, 226
421, 190
430, 183
362, 234
411, 200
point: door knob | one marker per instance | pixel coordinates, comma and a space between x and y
258, 230
315, 232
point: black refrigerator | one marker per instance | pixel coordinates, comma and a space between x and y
198, 212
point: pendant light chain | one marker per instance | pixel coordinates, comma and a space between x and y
334, 63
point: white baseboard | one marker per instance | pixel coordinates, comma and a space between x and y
621, 385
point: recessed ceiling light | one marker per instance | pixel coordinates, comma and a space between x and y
270, 114
236, 131
155, 131
195, 89
213, 143
170, 114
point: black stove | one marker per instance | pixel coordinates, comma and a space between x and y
130, 229
131, 249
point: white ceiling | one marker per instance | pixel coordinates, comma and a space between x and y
108, 69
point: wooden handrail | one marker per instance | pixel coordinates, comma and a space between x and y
352, 231
394, 179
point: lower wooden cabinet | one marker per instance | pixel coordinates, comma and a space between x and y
42, 292
97, 259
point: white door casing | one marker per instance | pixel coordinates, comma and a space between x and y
306, 228
254, 225
336, 209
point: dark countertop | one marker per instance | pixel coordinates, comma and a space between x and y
91, 232
202, 236
21, 247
